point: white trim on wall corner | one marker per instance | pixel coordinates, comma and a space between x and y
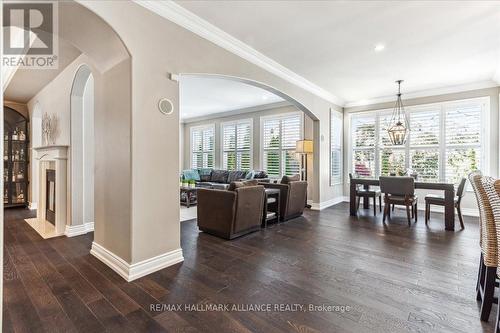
328, 203
77, 230
132, 272
186, 19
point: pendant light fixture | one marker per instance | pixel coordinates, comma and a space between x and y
398, 126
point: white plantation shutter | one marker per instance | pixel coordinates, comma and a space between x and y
202, 147
425, 124
463, 126
237, 145
280, 134
363, 133
445, 142
335, 147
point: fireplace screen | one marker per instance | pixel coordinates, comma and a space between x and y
50, 212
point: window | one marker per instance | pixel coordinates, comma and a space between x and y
445, 143
279, 135
202, 147
237, 145
335, 147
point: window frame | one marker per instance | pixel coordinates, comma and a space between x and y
484, 146
337, 180
279, 117
202, 151
236, 150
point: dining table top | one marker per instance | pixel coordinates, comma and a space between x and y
418, 184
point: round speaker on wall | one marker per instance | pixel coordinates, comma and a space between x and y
165, 106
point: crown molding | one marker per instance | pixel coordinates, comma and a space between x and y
186, 19
426, 93
236, 112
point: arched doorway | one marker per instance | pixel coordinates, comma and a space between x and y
82, 148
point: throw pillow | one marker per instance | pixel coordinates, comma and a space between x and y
219, 176
250, 174
191, 175
288, 179
260, 174
236, 176
205, 174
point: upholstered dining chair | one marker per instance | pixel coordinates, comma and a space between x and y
488, 242
367, 193
492, 189
438, 200
399, 191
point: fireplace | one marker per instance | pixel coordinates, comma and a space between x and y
50, 196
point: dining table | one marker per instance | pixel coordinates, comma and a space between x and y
447, 188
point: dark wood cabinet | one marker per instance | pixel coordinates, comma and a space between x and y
15, 159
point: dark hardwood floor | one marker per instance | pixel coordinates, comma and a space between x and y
393, 279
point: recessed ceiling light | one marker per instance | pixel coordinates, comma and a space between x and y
379, 47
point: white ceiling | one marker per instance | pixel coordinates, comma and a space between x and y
202, 96
429, 44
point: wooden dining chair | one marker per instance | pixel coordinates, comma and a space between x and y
488, 262
438, 200
367, 193
399, 191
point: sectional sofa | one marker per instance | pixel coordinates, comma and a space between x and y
220, 179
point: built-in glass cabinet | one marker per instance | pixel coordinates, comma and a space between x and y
15, 159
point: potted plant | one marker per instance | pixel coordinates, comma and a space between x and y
185, 183
192, 183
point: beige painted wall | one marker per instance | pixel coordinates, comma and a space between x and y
158, 47
255, 116
469, 203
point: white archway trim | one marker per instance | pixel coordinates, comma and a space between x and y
254, 83
186, 19
82, 153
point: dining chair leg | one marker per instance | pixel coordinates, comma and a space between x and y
412, 211
427, 208
386, 209
480, 278
393, 207
460, 218
374, 206
488, 291
357, 206
408, 214
416, 212
380, 203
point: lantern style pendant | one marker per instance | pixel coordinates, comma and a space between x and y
398, 126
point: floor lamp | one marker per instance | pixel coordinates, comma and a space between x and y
304, 148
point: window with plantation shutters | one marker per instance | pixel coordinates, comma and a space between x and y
445, 143
237, 145
335, 147
425, 124
363, 134
202, 147
463, 137
279, 136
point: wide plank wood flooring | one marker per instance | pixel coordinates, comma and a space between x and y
393, 279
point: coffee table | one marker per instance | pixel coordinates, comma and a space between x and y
189, 194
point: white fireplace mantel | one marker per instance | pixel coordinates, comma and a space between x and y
52, 157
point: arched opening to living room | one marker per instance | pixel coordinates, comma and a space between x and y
240, 128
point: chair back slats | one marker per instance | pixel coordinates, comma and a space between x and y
461, 188
404, 186
488, 238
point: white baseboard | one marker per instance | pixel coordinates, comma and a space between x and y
328, 203
132, 272
33, 205
77, 230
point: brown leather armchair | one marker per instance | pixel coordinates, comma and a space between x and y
230, 214
293, 197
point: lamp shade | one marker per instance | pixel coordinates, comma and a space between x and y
304, 147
